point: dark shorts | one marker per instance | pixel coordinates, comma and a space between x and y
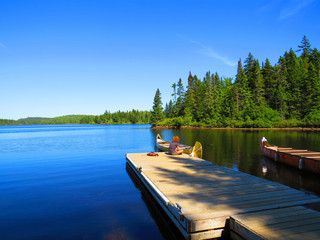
174, 153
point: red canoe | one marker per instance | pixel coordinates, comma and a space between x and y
302, 159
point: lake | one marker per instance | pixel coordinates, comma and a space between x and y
71, 181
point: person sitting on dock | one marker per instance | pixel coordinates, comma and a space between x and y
174, 146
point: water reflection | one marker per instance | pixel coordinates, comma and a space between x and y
166, 227
278, 172
239, 150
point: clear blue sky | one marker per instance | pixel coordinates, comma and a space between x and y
60, 57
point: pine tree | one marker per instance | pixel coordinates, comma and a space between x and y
249, 69
157, 112
199, 95
269, 81
228, 99
174, 94
295, 74
217, 96
169, 110
305, 47
244, 96
190, 99
279, 95
208, 100
315, 60
311, 91
179, 105
291, 87
258, 85
255, 79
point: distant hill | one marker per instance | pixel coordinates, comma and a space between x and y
33, 119
129, 117
68, 119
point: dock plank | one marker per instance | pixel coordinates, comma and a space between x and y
287, 223
201, 196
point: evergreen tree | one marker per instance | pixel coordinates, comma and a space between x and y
217, 96
260, 95
255, 79
315, 60
199, 95
243, 93
228, 101
249, 69
258, 84
190, 99
169, 110
157, 112
295, 74
311, 91
279, 94
305, 47
208, 98
179, 105
174, 94
269, 81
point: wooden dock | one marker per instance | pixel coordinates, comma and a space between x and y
284, 223
203, 199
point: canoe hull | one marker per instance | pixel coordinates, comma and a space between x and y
301, 159
195, 151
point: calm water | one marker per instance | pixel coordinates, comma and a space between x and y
71, 182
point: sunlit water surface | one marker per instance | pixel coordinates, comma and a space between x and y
70, 181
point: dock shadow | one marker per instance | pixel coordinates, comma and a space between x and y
228, 179
167, 228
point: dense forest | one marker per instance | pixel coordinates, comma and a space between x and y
129, 117
284, 95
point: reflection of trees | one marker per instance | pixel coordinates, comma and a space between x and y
239, 149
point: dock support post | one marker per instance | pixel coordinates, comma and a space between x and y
301, 163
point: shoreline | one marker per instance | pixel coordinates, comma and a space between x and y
230, 128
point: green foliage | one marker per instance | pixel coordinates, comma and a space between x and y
312, 119
129, 117
288, 123
157, 112
284, 95
179, 104
8, 122
190, 98
305, 47
68, 119
177, 122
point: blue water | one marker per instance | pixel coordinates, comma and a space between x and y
70, 182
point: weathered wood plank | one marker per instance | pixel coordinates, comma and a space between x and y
201, 196
235, 190
199, 206
287, 223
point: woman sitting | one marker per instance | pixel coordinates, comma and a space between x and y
174, 146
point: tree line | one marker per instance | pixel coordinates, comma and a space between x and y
286, 94
128, 117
